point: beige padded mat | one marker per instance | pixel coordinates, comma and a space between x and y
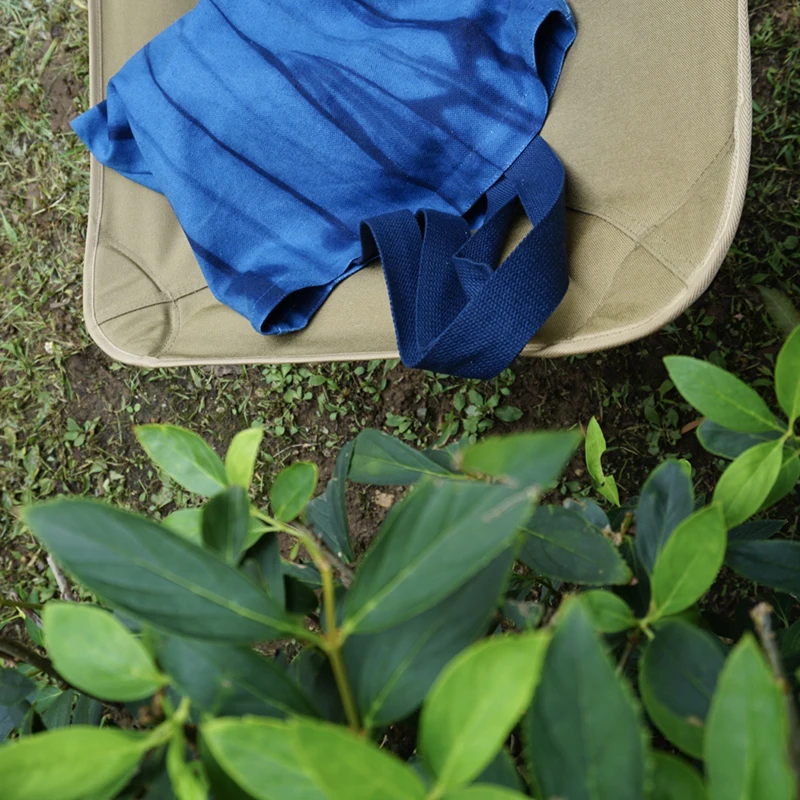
651, 119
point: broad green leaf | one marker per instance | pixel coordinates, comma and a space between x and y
96, 653
595, 447
525, 616
327, 513
188, 524
381, 460
730, 444
301, 582
224, 680
561, 543
675, 779
240, 460
677, 677
502, 771
747, 733
264, 559
187, 779
755, 530
306, 574
226, 523
185, 457
445, 458
23, 715
300, 598
431, 543
301, 759
259, 755
474, 704
789, 639
583, 736
609, 613
524, 459
14, 687
312, 672
689, 562
7, 723
147, 571
787, 376
221, 784
771, 563
348, 767
391, 671
747, 482
56, 712
590, 510
70, 763
667, 499
720, 396
292, 489
88, 711
479, 792
787, 479
781, 309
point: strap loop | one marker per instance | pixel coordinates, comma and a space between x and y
455, 309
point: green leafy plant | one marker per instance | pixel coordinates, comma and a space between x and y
764, 448
595, 447
484, 646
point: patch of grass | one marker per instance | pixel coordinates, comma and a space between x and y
67, 411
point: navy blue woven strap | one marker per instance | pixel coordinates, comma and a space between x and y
455, 309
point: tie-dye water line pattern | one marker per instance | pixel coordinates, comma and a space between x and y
274, 128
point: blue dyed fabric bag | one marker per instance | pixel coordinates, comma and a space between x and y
298, 141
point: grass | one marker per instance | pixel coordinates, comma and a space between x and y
66, 411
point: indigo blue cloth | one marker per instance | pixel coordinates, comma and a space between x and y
276, 127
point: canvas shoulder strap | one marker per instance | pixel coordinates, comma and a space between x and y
455, 309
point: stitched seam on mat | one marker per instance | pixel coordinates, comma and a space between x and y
137, 259
717, 237
741, 138
101, 235
155, 304
638, 243
643, 230
687, 197
652, 233
175, 325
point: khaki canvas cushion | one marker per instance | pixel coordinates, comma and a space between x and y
651, 119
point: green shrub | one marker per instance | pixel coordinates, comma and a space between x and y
485, 646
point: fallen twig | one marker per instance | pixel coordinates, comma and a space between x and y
761, 617
61, 580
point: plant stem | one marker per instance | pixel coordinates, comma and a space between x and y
333, 647
20, 605
19, 652
630, 646
627, 521
761, 617
332, 638
304, 536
